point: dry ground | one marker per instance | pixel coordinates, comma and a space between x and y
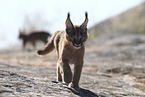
112, 68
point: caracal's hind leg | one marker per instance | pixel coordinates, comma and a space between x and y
24, 44
59, 77
33, 43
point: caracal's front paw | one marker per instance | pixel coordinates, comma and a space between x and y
76, 87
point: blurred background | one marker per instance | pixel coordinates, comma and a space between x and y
114, 61
50, 15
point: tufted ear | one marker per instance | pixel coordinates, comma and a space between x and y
84, 24
68, 22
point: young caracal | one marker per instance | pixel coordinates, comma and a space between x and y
70, 48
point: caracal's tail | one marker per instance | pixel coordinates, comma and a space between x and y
49, 46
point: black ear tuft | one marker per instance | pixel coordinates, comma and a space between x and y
84, 24
68, 15
68, 22
86, 14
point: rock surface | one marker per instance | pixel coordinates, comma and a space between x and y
110, 69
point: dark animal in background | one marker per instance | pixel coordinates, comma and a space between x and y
70, 48
34, 36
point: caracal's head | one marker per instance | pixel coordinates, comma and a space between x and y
21, 34
77, 35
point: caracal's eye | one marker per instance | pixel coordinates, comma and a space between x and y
82, 37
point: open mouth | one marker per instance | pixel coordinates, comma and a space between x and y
77, 46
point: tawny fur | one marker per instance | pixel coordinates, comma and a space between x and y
69, 45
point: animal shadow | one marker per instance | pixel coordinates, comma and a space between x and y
81, 92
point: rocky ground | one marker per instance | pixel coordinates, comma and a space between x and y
114, 66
